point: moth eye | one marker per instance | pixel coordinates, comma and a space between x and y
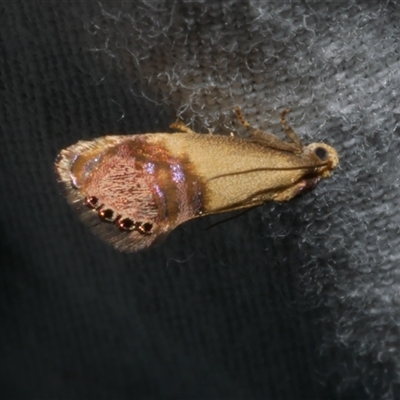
145, 228
126, 224
92, 201
321, 153
107, 215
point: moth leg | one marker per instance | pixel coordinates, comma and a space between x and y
179, 125
290, 133
254, 133
266, 138
241, 118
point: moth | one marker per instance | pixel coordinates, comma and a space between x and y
134, 190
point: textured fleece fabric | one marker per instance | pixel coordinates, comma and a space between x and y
290, 301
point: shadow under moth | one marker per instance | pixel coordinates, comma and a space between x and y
134, 190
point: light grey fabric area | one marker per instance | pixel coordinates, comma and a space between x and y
337, 66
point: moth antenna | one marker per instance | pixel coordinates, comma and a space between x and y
239, 214
248, 200
254, 200
290, 133
269, 169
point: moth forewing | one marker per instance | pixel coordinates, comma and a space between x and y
133, 190
239, 173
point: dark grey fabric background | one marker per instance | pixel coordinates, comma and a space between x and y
290, 301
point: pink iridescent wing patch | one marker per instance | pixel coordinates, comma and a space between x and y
131, 192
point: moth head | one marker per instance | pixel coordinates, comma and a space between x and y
325, 155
